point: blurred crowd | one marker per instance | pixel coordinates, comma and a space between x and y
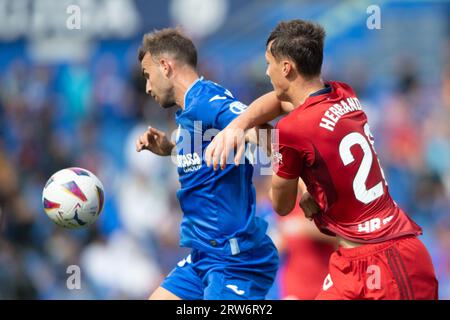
89, 114
57, 117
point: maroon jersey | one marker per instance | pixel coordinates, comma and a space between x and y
327, 142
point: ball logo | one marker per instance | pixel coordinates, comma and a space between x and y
49, 205
73, 188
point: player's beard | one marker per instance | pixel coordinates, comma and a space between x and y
168, 99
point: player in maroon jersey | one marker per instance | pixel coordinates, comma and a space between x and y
325, 140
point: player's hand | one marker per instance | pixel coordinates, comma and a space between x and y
155, 141
309, 206
218, 151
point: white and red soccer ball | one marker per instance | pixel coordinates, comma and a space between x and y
73, 198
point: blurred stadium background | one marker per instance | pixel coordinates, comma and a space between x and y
76, 98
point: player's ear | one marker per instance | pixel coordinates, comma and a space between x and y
166, 67
287, 68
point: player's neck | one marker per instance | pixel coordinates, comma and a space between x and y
183, 81
301, 89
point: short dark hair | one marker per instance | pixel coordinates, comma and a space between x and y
302, 42
172, 41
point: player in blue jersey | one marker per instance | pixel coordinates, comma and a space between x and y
231, 257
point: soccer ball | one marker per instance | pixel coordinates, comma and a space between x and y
73, 198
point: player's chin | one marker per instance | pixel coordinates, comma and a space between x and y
281, 95
277, 90
167, 103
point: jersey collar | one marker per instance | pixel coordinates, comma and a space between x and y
318, 96
190, 88
325, 90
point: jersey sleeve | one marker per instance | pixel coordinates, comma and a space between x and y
291, 154
288, 163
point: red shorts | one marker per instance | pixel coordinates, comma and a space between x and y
394, 269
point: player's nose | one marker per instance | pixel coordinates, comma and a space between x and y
148, 88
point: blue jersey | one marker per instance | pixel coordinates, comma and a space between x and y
218, 206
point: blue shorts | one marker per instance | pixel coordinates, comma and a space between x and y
247, 275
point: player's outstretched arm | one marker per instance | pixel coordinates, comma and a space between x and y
283, 194
155, 141
262, 110
259, 112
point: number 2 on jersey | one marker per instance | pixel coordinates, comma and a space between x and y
359, 183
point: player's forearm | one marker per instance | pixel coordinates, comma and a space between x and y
283, 194
262, 110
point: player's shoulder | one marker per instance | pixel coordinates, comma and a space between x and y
211, 98
211, 93
292, 129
